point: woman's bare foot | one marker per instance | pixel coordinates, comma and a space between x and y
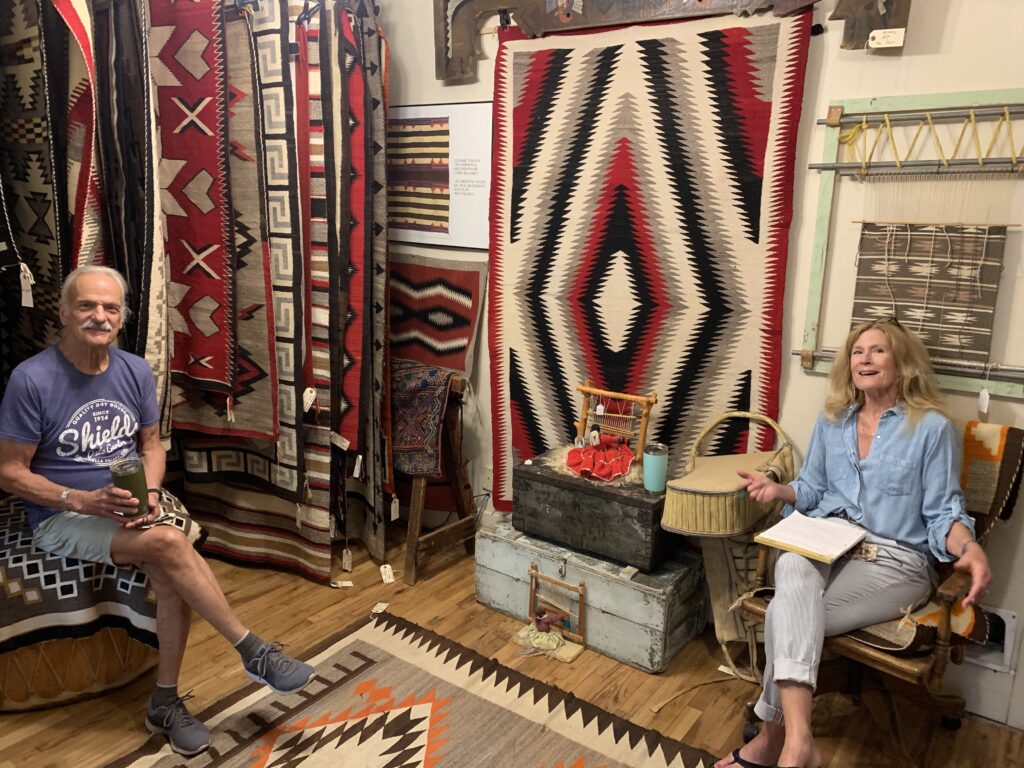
800, 751
763, 749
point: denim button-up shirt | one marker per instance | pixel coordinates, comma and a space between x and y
907, 489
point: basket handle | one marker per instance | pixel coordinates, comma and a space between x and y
694, 451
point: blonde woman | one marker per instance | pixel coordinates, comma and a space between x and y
883, 456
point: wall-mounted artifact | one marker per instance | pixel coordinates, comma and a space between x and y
872, 23
457, 22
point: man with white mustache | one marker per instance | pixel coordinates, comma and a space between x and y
67, 413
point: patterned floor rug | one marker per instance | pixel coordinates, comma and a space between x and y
389, 693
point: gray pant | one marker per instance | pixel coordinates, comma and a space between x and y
814, 600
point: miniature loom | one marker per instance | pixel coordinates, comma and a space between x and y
614, 413
559, 599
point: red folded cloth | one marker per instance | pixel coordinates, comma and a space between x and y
607, 460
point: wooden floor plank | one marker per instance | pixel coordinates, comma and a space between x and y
303, 615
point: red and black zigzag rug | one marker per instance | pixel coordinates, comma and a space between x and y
389, 693
641, 202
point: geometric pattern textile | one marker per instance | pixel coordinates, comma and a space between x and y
256, 528
187, 64
992, 472
27, 181
388, 693
85, 201
435, 309
251, 410
419, 394
46, 597
940, 280
418, 195
26, 175
641, 203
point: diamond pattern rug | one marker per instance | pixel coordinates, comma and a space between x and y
388, 693
642, 195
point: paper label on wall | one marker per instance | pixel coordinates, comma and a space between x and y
887, 38
983, 398
394, 508
346, 559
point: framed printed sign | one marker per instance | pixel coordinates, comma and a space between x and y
439, 162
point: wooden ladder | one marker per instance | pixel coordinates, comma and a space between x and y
419, 546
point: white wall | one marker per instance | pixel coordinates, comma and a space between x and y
951, 46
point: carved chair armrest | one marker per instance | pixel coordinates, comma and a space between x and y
954, 588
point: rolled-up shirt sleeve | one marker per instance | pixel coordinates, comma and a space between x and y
812, 482
943, 503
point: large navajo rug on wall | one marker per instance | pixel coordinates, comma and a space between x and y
388, 693
640, 219
435, 309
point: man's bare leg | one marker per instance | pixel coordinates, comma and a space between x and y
164, 547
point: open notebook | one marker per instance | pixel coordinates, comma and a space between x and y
812, 537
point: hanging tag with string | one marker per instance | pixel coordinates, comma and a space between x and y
346, 557
27, 281
983, 395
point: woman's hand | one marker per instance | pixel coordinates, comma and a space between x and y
975, 562
764, 490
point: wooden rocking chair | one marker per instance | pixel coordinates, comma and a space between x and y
991, 478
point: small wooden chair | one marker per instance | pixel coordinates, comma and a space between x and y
991, 477
419, 546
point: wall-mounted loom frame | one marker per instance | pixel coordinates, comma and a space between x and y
1003, 381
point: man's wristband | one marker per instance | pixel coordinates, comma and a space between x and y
963, 549
64, 499
153, 490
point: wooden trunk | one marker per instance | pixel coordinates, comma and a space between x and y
640, 619
619, 520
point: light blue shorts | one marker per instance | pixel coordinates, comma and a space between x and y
85, 537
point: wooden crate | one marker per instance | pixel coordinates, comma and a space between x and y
641, 619
620, 520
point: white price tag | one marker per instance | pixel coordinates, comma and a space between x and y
983, 400
341, 584
394, 508
27, 281
379, 608
387, 574
346, 559
339, 441
887, 38
357, 471
308, 398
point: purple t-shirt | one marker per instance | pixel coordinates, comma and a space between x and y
78, 422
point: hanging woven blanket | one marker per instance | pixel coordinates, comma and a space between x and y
419, 395
188, 69
26, 175
641, 201
939, 280
251, 411
275, 467
365, 52
85, 201
436, 306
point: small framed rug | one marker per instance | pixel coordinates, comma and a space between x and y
388, 693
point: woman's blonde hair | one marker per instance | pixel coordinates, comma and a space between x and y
915, 379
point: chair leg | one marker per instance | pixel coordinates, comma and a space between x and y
412, 537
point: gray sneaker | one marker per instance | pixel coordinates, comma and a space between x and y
279, 671
187, 736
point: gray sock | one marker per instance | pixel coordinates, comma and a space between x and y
163, 695
248, 645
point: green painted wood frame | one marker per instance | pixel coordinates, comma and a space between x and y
810, 352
